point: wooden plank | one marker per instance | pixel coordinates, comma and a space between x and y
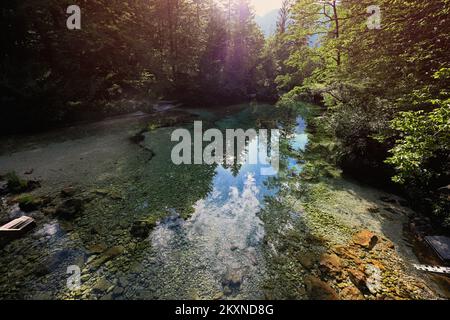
441, 245
17, 227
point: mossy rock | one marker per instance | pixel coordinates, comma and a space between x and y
15, 184
68, 209
28, 203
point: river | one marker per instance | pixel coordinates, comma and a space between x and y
221, 232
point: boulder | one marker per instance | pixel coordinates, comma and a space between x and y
69, 208
365, 239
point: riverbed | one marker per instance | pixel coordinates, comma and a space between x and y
220, 231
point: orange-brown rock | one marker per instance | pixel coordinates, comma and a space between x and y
330, 264
389, 244
365, 239
319, 290
351, 293
377, 264
346, 252
358, 278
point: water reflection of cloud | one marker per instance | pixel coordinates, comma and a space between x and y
229, 230
224, 230
223, 238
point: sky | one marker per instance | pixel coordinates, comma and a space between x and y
264, 6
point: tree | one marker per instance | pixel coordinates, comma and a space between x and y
244, 46
283, 17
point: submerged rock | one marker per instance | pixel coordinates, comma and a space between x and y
117, 292
388, 199
14, 184
373, 209
142, 228
138, 137
3, 187
101, 286
96, 229
60, 260
232, 281
96, 248
68, 192
69, 208
109, 254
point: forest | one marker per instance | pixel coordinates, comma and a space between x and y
194, 51
372, 75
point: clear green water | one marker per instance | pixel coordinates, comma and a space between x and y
209, 238
223, 232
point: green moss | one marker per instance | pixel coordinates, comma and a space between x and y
15, 184
28, 202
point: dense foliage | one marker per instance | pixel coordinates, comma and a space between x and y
140, 50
